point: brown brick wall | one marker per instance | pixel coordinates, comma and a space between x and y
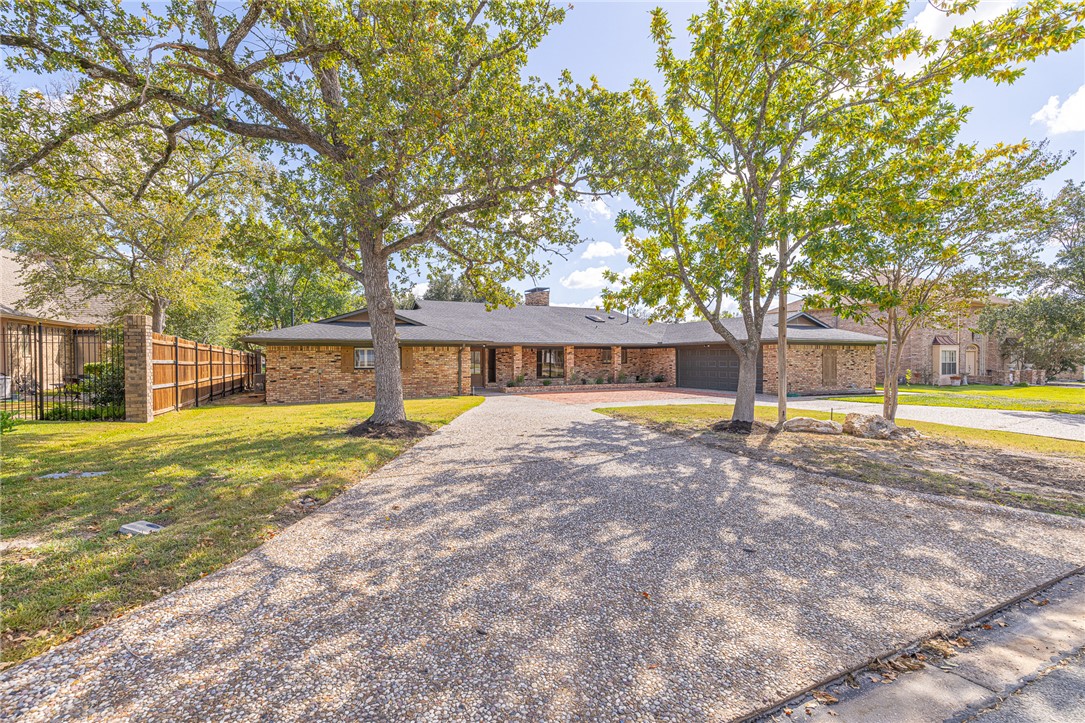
806, 368
917, 354
298, 374
138, 369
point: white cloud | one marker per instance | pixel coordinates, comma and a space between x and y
602, 250
419, 290
597, 209
589, 278
1068, 117
592, 303
938, 24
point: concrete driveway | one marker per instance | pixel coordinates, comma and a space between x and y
538, 561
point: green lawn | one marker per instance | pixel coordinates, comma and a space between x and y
221, 479
1017, 470
1068, 400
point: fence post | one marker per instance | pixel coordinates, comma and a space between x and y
41, 373
138, 368
197, 345
176, 374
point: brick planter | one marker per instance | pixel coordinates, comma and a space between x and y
582, 387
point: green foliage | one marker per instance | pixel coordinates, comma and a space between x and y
7, 422
771, 132
80, 413
444, 286
281, 282
211, 316
1047, 332
133, 211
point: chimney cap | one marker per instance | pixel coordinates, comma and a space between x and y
538, 288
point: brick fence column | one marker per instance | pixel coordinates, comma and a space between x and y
138, 369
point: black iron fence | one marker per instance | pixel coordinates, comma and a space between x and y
61, 373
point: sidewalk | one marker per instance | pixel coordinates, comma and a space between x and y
1023, 663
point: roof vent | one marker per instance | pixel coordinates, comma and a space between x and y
596, 318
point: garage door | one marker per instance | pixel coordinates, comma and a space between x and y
711, 367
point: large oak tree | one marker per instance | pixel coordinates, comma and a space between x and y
406, 128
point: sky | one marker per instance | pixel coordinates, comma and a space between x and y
611, 40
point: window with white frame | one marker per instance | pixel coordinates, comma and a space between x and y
364, 358
949, 361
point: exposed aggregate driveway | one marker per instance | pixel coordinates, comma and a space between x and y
539, 561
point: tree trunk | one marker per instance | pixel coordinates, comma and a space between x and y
746, 394
158, 314
781, 359
892, 372
388, 407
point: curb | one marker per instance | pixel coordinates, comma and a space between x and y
951, 630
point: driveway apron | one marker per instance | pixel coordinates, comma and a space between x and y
539, 561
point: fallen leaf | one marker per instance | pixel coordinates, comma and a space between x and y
646, 596
822, 696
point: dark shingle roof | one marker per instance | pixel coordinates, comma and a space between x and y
456, 322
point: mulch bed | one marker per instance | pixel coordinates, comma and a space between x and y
392, 430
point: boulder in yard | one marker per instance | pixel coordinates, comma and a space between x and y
874, 426
814, 426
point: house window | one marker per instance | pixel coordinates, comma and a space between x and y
625, 355
476, 362
364, 358
606, 356
949, 361
549, 363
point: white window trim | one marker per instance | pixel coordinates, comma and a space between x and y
370, 357
942, 358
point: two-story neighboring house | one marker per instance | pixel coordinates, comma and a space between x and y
941, 355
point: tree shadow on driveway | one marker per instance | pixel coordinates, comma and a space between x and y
540, 561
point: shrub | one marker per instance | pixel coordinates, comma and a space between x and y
69, 412
600, 380
103, 383
546, 382
622, 377
7, 422
659, 378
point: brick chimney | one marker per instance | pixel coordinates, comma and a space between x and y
539, 296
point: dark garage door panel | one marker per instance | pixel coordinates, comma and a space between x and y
711, 367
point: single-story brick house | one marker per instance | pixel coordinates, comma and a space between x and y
449, 347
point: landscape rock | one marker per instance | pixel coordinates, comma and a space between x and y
815, 426
874, 426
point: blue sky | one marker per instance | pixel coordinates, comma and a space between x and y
611, 40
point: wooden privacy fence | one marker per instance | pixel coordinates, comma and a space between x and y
188, 374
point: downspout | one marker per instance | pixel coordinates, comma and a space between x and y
459, 372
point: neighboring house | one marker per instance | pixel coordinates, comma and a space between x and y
449, 347
68, 338
940, 355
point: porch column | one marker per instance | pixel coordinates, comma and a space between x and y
615, 363
517, 362
570, 361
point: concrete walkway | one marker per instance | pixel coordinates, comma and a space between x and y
538, 561
1023, 664
1043, 424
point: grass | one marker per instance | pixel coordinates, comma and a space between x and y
1066, 400
221, 479
1018, 470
